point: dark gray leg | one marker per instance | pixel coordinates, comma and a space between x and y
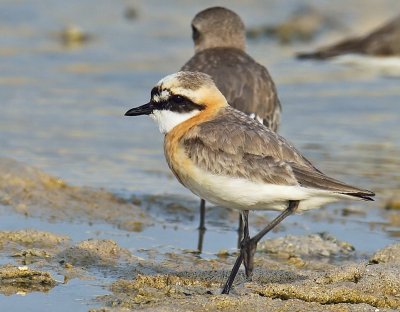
200, 241
249, 246
236, 266
202, 228
248, 255
240, 231
202, 214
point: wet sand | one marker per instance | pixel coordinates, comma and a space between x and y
36, 194
313, 272
303, 280
184, 282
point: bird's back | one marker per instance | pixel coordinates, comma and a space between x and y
246, 84
232, 144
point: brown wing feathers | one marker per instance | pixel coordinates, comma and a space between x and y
234, 145
318, 180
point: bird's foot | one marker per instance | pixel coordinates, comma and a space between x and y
248, 250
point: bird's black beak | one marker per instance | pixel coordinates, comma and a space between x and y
145, 109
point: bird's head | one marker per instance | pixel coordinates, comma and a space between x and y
179, 97
218, 27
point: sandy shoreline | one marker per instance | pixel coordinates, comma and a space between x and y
293, 273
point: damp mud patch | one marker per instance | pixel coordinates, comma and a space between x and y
157, 288
276, 286
389, 254
31, 238
94, 253
31, 246
92, 259
23, 280
321, 245
32, 192
182, 282
377, 286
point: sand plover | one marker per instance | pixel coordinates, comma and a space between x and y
228, 158
383, 41
219, 42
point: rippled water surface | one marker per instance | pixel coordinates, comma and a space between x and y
62, 111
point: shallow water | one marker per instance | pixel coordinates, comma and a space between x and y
62, 111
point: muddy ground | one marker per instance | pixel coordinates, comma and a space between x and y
293, 273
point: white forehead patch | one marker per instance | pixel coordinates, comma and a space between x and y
168, 79
173, 85
163, 96
167, 120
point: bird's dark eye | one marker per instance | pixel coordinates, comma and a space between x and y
195, 33
177, 99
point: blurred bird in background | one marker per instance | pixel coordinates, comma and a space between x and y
219, 42
383, 41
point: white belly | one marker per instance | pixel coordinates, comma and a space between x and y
243, 194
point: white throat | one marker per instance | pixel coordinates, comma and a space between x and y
167, 120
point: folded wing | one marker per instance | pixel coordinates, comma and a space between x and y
237, 146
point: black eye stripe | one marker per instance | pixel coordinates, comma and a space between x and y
177, 98
177, 103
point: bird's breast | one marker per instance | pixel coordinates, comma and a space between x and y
177, 159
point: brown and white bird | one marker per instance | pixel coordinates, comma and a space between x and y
228, 158
219, 42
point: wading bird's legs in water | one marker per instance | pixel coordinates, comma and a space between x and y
248, 247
